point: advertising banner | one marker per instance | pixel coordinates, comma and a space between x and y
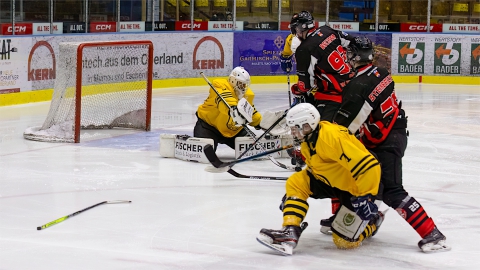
13, 58
29, 63
343, 26
187, 26
420, 27
132, 26
102, 27
224, 26
382, 27
435, 54
259, 52
44, 28
160, 26
461, 28
261, 26
475, 56
74, 27
20, 29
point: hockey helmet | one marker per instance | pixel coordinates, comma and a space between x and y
239, 79
301, 22
360, 50
302, 119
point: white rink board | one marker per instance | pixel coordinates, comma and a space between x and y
179, 55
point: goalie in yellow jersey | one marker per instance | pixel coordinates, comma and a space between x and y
216, 121
338, 166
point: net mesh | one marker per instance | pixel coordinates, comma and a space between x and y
114, 90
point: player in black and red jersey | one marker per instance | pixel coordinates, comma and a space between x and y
322, 66
371, 109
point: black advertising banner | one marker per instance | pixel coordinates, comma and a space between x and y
74, 27
260, 26
160, 26
382, 27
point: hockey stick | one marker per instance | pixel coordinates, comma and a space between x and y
56, 221
245, 127
289, 90
217, 163
239, 175
263, 135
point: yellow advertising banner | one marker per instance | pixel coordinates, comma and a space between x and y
201, 3
219, 3
260, 3
461, 7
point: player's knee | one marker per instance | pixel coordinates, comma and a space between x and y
342, 243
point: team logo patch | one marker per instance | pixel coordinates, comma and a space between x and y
348, 219
402, 213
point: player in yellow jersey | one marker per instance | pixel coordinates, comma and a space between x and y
338, 166
216, 121
291, 44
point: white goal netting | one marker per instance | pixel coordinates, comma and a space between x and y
98, 85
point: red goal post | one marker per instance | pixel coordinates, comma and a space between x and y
99, 84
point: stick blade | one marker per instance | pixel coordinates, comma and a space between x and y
212, 157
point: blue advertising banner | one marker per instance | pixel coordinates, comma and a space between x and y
259, 52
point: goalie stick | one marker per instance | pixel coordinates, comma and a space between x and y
58, 220
217, 163
250, 133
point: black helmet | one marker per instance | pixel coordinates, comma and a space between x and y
302, 21
360, 50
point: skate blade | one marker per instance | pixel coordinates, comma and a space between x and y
283, 249
441, 246
326, 230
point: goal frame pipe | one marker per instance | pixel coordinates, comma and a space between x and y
78, 82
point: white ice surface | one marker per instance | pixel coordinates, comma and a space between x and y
182, 217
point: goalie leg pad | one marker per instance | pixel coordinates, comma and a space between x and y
184, 147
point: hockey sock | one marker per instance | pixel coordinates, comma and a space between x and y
335, 205
294, 211
412, 211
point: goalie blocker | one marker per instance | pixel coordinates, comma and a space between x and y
185, 147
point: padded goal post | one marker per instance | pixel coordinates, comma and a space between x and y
99, 84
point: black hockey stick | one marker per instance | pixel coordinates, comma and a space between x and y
289, 90
217, 163
239, 175
56, 221
263, 135
245, 127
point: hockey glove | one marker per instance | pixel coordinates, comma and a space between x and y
237, 117
364, 206
286, 63
298, 95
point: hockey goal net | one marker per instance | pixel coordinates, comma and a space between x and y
102, 84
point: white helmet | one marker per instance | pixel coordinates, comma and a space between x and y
302, 119
239, 79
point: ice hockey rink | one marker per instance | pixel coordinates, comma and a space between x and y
182, 217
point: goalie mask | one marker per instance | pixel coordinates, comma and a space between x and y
300, 23
302, 119
239, 79
360, 51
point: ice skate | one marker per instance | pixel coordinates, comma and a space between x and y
284, 240
434, 242
377, 220
326, 225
